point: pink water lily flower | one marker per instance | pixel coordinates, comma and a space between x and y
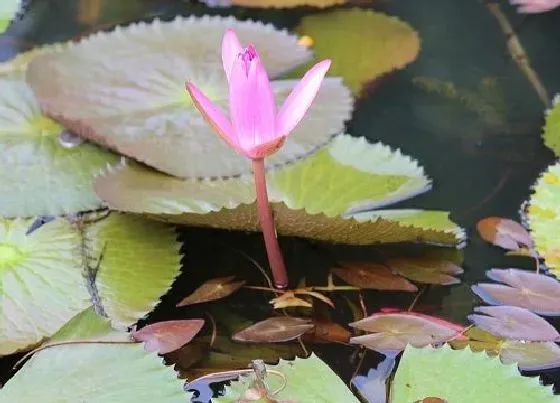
255, 129
535, 6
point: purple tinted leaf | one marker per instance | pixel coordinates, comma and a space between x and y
514, 323
535, 292
373, 387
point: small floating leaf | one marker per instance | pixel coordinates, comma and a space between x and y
514, 323
164, 337
307, 380
121, 372
426, 270
504, 233
274, 330
461, 376
536, 292
211, 290
391, 43
528, 356
391, 332
373, 276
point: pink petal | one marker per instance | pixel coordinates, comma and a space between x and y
300, 99
213, 116
231, 48
252, 106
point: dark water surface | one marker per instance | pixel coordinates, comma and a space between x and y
481, 164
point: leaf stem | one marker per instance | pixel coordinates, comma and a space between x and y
266, 220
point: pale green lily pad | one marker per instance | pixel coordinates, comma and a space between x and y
43, 177
149, 116
543, 213
461, 376
139, 262
307, 380
93, 373
8, 11
551, 132
391, 44
41, 285
43, 282
319, 197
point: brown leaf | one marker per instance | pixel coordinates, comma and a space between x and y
274, 330
372, 276
168, 336
327, 332
317, 295
289, 300
431, 400
504, 233
426, 270
211, 290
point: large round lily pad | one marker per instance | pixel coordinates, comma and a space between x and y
43, 176
149, 116
325, 196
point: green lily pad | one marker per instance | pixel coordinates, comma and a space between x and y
322, 197
463, 376
551, 132
139, 262
149, 116
43, 282
391, 43
41, 285
307, 380
543, 213
8, 11
93, 372
43, 176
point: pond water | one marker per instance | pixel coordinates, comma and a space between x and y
480, 167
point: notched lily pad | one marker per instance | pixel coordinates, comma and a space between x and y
307, 380
551, 131
543, 216
48, 170
149, 116
350, 175
121, 372
463, 377
391, 43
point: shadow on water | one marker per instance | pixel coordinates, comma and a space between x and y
482, 159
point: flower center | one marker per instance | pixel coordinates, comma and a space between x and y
247, 55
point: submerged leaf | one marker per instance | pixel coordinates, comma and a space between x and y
211, 290
373, 276
44, 173
504, 233
543, 215
307, 380
149, 116
373, 387
514, 323
528, 356
392, 44
274, 330
426, 270
391, 332
535, 292
376, 175
327, 332
93, 372
463, 377
164, 337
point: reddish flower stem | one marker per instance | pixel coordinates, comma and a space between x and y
266, 220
